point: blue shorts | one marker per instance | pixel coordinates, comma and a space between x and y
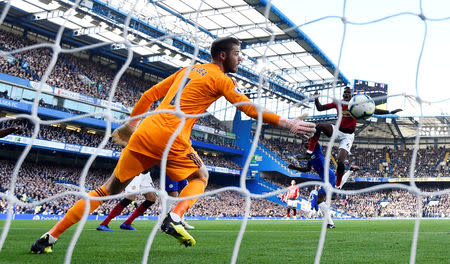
331, 178
314, 205
175, 186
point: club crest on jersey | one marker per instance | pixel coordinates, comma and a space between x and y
238, 90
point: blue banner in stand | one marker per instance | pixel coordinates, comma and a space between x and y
153, 218
371, 179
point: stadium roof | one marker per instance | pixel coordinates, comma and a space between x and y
164, 35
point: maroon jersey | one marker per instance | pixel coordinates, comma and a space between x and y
348, 123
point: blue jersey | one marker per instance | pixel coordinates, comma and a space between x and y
317, 161
313, 196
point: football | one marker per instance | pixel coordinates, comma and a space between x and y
361, 106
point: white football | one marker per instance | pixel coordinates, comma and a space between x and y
361, 106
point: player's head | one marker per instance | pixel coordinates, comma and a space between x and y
293, 182
347, 95
227, 51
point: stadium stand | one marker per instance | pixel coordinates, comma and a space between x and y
86, 73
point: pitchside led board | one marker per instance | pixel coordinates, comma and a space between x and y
377, 91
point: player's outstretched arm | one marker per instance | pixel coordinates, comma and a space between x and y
320, 107
297, 126
386, 112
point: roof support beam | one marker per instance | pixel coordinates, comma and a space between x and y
276, 58
299, 69
86, 31
360, 129
264, 44
178, 15
47, 15
312, 86
392, 131
398, 131
240, 28
413, 121
216, 11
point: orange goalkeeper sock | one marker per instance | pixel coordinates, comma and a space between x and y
194, 187
75, 213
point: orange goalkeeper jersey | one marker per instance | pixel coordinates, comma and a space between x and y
204, 84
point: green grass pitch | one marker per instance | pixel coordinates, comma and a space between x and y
283, 241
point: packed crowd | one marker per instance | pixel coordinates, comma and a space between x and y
81, 136
211, 121
383, 162
218, 161
213, 139
384, 203
282, 147
36, 182
74, 73
85, 138
393, 203
390, 162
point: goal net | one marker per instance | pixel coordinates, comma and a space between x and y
176, 35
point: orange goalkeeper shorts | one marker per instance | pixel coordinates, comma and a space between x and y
132, 163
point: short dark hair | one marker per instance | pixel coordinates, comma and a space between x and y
223, 44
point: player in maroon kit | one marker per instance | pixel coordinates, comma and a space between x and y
345, 133
291, 198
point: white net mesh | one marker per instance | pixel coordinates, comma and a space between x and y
192, 31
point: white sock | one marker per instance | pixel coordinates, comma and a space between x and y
345, 178
326, 212
175, 217
51, 239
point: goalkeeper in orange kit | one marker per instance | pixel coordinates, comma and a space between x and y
193, 89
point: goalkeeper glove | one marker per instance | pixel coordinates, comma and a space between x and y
298, 127
122, 134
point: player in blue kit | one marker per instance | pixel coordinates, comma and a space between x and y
313, 200
317, 162
173, 188
143, 181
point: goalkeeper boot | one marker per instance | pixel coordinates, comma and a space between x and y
186, 224
127, 227
330, 226
176, 229
43, 244
104, 228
